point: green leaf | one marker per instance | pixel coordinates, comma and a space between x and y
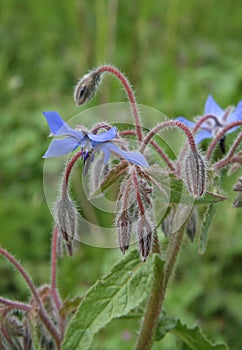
192, 337
195, 339
119, 292
207, 220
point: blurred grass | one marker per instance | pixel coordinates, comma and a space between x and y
175, 53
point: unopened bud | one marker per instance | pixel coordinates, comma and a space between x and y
124, 226
86, 87
191, 226
66, 215
194, 173
144, 232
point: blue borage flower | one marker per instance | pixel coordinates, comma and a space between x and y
69, 139
220, 119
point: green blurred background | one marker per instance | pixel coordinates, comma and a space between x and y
175, 53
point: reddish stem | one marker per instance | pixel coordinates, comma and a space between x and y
130, 95
203, 119
54, 292
43, 315
226, 161
155, 145
138, 196
68, 170
26, 277
174, 123
234, 146
219, 136
15, 304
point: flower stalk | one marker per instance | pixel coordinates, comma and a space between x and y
130, 94
219, 136
166, 124
158, 290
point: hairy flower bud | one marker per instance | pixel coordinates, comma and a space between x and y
86, 87
144, 232
66, 216
124, 227
194, 173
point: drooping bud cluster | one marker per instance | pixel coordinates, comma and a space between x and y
66, 217
194, 173
134, 213
87, 87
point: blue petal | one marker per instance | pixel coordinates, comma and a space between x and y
236, 115
106, 152
59, 128
54, 120
59, 147
203, 134
104, 136
134, 157
186, 122
211, 107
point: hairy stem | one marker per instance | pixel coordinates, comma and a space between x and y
161, 279
152, 313
234, 145
137, 191
43, 314
204, 119
130, 95
166, 124
155, 145
226, 161
22, 271
219, 136
67, 174
15, 304
54, 292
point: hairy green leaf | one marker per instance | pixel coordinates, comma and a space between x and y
192, 337
119, 292
195, 339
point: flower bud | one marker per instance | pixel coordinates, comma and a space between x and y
194, 174
144, 232
66, 216
124, 227
86, 87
